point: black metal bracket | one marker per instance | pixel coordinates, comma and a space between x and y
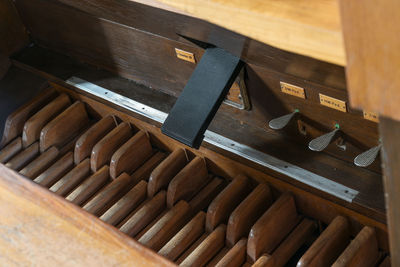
202, 96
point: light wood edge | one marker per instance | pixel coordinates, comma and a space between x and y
287, 29
17, 188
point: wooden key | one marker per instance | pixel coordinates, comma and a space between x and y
247, 213
126, 204
291, 244
11, 150
275, 224
166, 227
236, 256
108, 195
328, 246
363, 250
33, 126
184, 238
191, 248
188, 181
15, 122
131, 155
167, 170
64, 127
72, 179
105, 148
221, 253
145, 215
23, 157
222, 206
207, 249
263, 261
39, 164
56, 171
89, 139
206, 195
145, 170
89, 187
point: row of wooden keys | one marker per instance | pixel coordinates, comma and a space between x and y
169, 202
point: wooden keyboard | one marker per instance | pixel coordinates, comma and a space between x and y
171, 201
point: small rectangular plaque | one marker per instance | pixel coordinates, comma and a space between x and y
293, 90
372, 116
184, 55
332, 103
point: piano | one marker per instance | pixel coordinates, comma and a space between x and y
199, 133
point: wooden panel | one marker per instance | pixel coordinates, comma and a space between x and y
372, 43
304, 27
390, 132
59, 229
13, 35
84, 37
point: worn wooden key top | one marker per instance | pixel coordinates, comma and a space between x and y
144, 171
34, 125
222, 206
88, 140
184, 238
108, 195
290, 245
11, 150
167, 170
207, 249
131, 155
90, 186
105, 148
126, 204
145, 215
64, 127
15, 122
23, 157
247, 213
262, 261
275, 223
72, 179
236, 256
206, 195
40, 163
328, 246
56, 171
363, 250
166, 227
188, 181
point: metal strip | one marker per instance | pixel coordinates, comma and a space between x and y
309, 178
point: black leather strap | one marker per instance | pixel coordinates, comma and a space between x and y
202, 96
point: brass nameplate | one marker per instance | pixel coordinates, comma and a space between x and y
372, 116
333, 103
184, 55
294, 90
